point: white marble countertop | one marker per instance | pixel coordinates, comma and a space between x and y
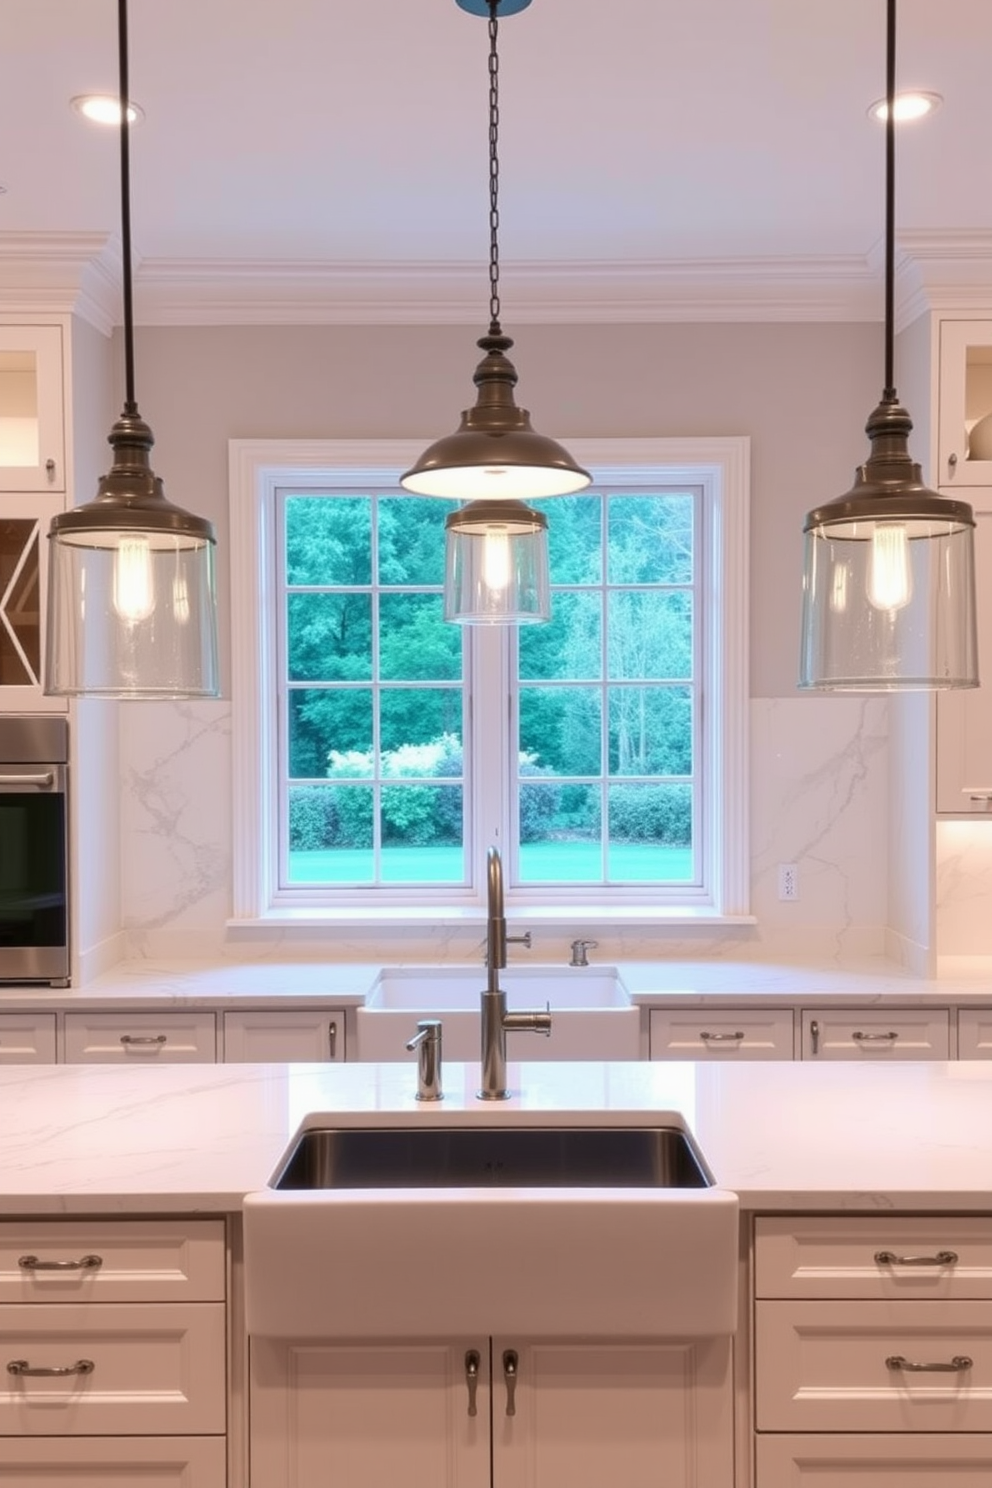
95, 1139
230, 984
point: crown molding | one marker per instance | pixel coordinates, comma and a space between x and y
61, 274
948, 272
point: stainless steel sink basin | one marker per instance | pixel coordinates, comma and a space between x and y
488, 1157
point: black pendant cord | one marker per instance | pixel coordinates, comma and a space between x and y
889, 394
494, 326
130, 406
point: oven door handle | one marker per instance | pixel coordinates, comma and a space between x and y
19, 782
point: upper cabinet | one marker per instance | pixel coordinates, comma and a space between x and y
32, 408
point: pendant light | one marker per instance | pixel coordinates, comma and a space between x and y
889, 583
495, 459
131, 601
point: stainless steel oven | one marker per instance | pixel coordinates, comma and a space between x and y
34, 887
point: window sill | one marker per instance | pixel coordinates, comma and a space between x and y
554, 916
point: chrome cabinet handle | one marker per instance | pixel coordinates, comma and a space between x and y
85, 1263
332, 1038
50, 470
143, 1038
814, 1033
721, 1038
510, 1364
472, 1379
976, 793
22, 1367
957, 1365
874, 1038
942, 1258
43, 782
952, 460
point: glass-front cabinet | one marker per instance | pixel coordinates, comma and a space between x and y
32, 434
965, 403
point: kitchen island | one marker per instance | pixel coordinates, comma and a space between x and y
834, 1165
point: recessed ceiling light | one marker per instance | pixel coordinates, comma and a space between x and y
908, 106
105, 108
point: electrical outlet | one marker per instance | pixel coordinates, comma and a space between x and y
788, 881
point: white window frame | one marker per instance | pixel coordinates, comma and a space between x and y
258, 468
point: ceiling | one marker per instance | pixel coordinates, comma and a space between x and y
659, 158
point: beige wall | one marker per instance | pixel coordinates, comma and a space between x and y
801, 392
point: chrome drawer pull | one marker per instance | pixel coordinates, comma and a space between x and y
22, 1367
44, 782
874, 1038
332, 1038
721, 1038
942, 1258
85, 1263
510, 1363
143, 1038
957, 1365
472, 1379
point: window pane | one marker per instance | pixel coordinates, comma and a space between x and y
327, 724
411, 540
560, 833
328, 637
422, 834
328, 542
561, 729
421, 730
650, 731
416, 643
650, 833
650, 633
651, 539
330, 834
570, 645
575, 538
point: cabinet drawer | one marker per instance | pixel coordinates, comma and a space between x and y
822, 1366
155, 1370
975, 1033
112, 1261
290, 1037
755, 1033
112, 1038
130, 1462
921, 1258
873, 1033
27, 1038
837, 1461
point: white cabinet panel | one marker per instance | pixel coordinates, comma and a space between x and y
736, 1033
116, 1038
293, 1036
112, 1261
133, 1462
27, 1038
837, 1461
876, 1033
975, 1033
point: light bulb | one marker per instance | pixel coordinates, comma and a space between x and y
890, 576
496, 559
134, 590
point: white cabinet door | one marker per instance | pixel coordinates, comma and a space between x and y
32, 429
964, 718
382, 1415
975, 1033
737, 1034
965, 397
874, 1033
135, 1038
922, 1460
291, 1037
27, 1038
635, 1415
124, 1462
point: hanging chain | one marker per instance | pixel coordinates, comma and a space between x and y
494, 327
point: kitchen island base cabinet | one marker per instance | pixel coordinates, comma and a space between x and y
930, 1460
352, 1415
145, 1462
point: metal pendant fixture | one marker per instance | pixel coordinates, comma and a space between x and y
494, 456
132, 609
889, 580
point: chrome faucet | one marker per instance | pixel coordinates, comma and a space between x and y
579, 949
496, 1021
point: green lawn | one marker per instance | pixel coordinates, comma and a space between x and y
544, 862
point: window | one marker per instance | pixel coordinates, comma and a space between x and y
380, 750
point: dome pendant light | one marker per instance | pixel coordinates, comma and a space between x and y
131, 604
889, 580
495, 456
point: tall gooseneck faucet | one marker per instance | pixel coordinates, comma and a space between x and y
496, 1021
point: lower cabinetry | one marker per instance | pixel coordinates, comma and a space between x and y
742, 1033
491, 1413
876, 1033
292, 1036
27, 1038
872, 1351
114, 1338
119, 1038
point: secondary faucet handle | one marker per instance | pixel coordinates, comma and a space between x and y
427, 1042
579, 948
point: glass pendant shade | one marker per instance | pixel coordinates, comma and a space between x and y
131, 590
494, 453
889, 578
496, 565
